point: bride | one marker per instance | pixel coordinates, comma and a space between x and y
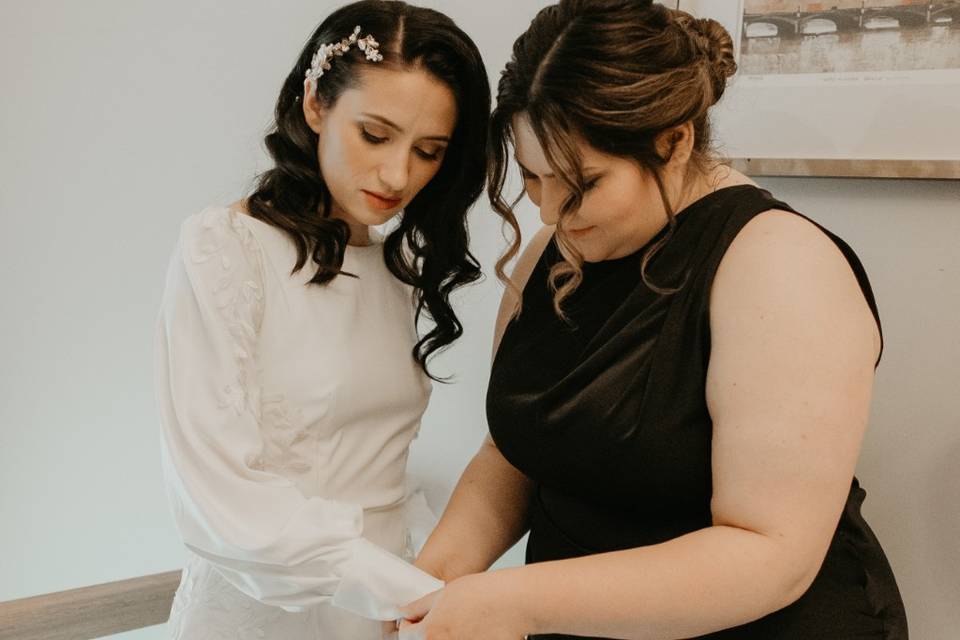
290, 370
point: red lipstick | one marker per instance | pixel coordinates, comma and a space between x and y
381, 202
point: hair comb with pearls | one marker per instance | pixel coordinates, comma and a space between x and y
326, 52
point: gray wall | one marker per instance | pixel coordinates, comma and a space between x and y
118, 119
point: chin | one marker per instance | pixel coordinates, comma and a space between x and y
372, 218
377, 219
598, 254
591, 259
588, 251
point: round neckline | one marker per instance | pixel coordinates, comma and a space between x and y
376, 244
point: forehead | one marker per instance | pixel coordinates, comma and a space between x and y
528, 149
530, 152
412, 98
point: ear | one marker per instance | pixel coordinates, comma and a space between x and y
675, 145
313, 110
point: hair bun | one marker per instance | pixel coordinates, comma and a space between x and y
721, 48
716, 45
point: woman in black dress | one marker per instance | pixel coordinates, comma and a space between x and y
678, 401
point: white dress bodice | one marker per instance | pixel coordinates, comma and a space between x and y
287, 410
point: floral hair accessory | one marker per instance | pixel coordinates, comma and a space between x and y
326, 52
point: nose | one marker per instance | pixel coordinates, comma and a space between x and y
394, 172
550, 200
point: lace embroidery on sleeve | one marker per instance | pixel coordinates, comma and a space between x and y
282, 447
237, 292
236, 264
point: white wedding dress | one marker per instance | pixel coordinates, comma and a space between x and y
287, 412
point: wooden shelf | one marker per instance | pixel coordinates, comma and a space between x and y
91, 612
822, 168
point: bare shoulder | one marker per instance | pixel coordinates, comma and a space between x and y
531, 255
520, 275
779, 243
782, 264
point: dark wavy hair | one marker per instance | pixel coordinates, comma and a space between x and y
429, 249
613, 74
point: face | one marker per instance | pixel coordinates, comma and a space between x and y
381, 142
622, 208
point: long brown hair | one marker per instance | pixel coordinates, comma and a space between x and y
613, 74
429, 249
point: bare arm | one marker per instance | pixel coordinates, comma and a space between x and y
789, 387
487, 513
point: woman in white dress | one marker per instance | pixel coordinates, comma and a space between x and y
290, 370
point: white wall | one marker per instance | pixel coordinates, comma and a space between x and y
118, 119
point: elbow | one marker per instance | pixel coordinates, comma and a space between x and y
790, 568
796, 587
797, 581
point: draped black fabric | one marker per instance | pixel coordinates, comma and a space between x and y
607, 415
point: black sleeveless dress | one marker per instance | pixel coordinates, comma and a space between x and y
609, 420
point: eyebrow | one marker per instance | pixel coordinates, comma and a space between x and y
586, 170
399, 129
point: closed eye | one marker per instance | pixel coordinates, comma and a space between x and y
426, 155
369, 137
588, 185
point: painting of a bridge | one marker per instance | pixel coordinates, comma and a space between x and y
795, 36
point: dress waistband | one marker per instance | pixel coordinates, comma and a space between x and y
396, 504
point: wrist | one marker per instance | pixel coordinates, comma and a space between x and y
514, 596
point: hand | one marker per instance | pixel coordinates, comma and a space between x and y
474, 606
390, 628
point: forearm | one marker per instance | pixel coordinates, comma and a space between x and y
708, 580
486, 515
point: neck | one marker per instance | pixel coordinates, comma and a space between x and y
699, 185
682, 192
359, 233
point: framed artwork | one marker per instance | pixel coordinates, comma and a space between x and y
853, 88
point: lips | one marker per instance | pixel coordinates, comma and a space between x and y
379, 201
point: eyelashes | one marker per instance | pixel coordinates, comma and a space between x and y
428, 156
369, 137
376, 140
587, 186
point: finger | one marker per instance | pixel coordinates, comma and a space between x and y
417, 609
388, 630
410, 631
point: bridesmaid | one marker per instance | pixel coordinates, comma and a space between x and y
291, 373
678, 401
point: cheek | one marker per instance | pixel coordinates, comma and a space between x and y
626, 209
341, 156
614, 211
533, 191
423, 172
